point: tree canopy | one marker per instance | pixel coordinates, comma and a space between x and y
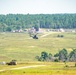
62, 55
20, 21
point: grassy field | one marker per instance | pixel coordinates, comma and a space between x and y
50, 68
21, 47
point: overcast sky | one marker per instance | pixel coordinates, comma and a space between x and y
37, 6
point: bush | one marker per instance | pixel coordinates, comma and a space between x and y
56, 55
66, 65
56, 60
60, 35
38, 58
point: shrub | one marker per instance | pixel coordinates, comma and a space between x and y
60, 35
56, 60
56, 55
75, 64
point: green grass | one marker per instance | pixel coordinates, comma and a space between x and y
21, 47
50, 68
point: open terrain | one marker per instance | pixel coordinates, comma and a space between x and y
39, 68
23, 48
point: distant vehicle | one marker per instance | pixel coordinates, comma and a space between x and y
13, 62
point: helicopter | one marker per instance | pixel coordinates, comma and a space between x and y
33, 33
35, 36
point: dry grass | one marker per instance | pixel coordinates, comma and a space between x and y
21, 47
51, 68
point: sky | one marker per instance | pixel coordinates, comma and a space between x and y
37, 6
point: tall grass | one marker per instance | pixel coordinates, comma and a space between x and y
21, 47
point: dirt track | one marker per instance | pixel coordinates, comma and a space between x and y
33, 66
45, 35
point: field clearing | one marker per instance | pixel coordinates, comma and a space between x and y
50, 68
21, 47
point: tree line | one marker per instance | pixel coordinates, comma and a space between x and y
62, 55
19, 21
